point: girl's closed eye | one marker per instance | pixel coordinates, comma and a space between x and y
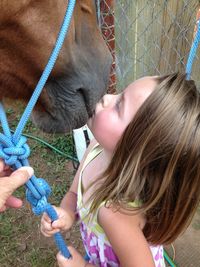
117, 104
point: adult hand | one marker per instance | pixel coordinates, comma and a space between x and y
9, 182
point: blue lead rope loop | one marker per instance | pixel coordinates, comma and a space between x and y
14, 149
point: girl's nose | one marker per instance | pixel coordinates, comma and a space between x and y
107, 100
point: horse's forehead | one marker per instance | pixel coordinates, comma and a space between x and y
11, 8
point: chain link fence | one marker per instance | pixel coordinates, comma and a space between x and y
148, 37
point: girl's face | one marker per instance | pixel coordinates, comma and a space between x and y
114, 112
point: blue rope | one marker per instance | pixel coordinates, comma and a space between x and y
14, 149
192, 53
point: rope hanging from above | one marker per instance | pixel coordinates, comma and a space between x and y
15, 151
193, 52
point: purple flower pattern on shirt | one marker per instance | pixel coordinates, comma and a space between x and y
102, 255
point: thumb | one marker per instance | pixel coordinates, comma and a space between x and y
20, 177
59, 223
72, 251
61, 259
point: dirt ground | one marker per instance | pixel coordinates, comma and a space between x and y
187, 247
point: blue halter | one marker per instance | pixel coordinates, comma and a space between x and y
15, 151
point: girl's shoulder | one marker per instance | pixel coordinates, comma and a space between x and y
108, 214
124, 232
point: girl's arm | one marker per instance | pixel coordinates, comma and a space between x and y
126, 237
67, 210
69, 202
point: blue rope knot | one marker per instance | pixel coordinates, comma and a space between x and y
12, 151
39, 205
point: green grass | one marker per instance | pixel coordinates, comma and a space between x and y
21, 243
37, 258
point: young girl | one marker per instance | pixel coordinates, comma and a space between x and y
138, 185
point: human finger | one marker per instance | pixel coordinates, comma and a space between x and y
46, 218
20, 177
62, 261
14, 202
46, 232
73, 252
10, 183
60, 223
46, 225
2, 164
3, 208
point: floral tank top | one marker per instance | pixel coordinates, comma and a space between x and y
95, 241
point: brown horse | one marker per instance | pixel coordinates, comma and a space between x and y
28, 31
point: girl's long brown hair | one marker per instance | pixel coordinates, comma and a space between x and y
157, 161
